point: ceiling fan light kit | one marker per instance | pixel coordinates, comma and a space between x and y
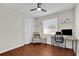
39, 9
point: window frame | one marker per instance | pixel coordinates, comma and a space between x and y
56, 26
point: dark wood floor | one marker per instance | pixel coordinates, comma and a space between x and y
39, 50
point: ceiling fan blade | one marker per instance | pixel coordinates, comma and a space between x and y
43, 10
32, 9
38, 5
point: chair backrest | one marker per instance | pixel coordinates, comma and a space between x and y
36, 35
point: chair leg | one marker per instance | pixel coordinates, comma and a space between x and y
58, 45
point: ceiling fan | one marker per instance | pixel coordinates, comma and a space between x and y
38, 8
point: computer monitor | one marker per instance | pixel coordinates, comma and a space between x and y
67, 32
58, 33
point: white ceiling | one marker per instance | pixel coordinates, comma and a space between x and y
50, 7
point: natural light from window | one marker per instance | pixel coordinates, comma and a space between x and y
50, 26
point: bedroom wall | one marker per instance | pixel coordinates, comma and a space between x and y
76, 24
60, 16
12, 29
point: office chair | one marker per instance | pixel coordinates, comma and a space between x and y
57, 39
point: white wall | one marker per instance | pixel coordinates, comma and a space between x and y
12, 29
60, 16
76, 23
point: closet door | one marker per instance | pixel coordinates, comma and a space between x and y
29, 29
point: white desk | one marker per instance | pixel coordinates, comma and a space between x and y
68, 38
74, 41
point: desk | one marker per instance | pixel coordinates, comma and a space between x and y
74, 42
68, 38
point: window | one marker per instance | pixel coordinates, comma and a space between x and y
50, 26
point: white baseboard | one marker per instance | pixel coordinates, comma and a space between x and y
14, 47
11, 48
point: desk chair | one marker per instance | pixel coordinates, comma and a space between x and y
58, 39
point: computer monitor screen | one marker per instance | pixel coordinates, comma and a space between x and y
67, 32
